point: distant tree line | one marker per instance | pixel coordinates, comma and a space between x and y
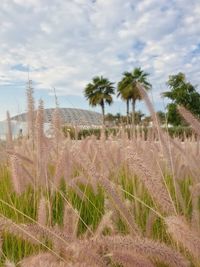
100, 91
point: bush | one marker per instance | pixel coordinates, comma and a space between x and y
180, 131
75, 133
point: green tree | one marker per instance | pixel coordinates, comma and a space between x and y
99, 92
182, 93
173, 116
138, 117
124, 96
162, 116
127, 88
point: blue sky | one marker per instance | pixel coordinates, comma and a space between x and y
64, 43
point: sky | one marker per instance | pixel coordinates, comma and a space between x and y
64, 43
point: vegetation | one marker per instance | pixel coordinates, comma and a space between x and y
110, 202
78, 134
181, 93
128, 90
119, 119
99, 92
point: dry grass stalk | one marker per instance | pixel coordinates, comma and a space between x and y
155, 251
17, 230
9, 264
182, 233
149, 224
195, 192
40, 144
152, 181
110, 190
162, 137
9, 138
16, 174
42, 212
120, 206
43, 260
21, 157
128, 259
59, 167
57, 129
31, 111
190, 119
70, 222
106, 222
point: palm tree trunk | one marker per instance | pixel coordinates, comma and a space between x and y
133, 117
127, 111
103, 112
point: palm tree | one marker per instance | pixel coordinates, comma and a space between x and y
127, 88
99, 92
124, 96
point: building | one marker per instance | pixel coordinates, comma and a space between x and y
70, 116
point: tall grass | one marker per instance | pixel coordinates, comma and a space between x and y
114, 201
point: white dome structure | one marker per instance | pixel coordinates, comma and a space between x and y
69, 116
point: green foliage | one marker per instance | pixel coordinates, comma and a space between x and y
175, 131
99, 92
180, 131
127, 87
11, 205
91, 208
83, 133
162, 116
173, 115
182, 93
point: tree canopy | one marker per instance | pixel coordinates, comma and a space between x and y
99, 92
127, 88
182, 93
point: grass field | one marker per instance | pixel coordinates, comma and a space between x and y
107, 202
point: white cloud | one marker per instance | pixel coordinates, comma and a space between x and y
67, 42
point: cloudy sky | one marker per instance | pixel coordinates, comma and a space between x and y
64, 43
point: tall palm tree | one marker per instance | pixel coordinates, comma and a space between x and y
127, 88
99, 92
125, 96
